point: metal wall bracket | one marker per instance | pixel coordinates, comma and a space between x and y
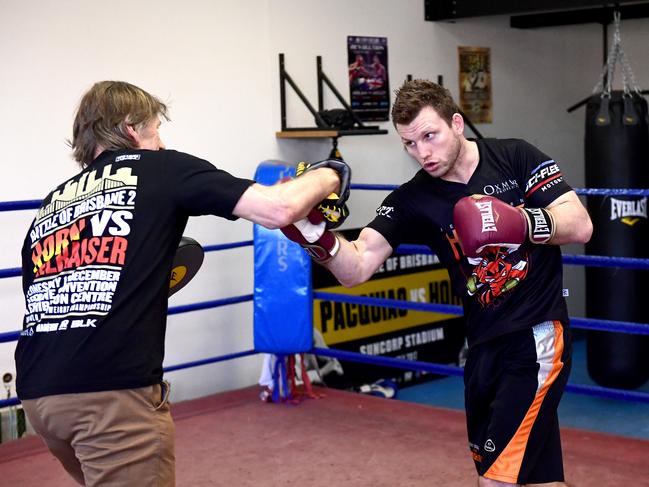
322, 128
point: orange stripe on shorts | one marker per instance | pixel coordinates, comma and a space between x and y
508, 464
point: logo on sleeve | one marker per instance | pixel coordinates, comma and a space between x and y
543, 177
385, 211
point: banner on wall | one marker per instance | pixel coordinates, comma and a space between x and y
391, 332
369, 87
475, 83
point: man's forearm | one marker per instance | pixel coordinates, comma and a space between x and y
572, 223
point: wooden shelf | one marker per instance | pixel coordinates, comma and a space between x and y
322, 133
306, 134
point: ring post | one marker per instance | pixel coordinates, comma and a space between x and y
283, 294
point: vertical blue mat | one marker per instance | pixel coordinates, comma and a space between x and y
283, 294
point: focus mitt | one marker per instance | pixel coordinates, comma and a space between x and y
333, 211
344, 174
187, 262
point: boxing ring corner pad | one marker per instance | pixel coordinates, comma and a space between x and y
283, 293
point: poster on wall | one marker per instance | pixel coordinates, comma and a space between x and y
475, 83
369, 87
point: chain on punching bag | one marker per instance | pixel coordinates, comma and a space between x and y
617, 156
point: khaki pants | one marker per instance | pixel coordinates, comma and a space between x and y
112, 438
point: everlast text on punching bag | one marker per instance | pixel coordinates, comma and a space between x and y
617, 156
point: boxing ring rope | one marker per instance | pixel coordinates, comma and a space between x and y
458, 371
587, 260
579, 191
585, 323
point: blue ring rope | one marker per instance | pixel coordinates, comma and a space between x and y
611, 192
231, 245
186, 308
569, 259
585, 260
579, 191
20, 205
450, 309
10, 272
459, 372
440, 369
13, 401
211, 360
12, 336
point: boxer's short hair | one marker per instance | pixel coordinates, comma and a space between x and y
103, 114
419, 93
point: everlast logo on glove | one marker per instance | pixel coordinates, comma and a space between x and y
541, 226
487, 215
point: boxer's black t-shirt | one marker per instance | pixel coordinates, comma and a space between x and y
96, 263
510, 290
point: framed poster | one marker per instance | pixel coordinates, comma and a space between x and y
369, 87
475, 83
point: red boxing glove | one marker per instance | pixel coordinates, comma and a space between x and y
311, 233
482, 221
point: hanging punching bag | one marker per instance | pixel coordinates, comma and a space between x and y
617, 156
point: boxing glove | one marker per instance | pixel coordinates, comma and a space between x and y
312, 234
482, 221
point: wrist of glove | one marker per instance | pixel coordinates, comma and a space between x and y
344, 174
312, 234
484, 221
540, 224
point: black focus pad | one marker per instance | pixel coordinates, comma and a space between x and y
187, 262
341, 167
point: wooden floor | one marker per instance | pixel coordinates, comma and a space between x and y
344, 439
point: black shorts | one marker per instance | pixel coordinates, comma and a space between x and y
513, 385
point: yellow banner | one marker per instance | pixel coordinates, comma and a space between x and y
343, 322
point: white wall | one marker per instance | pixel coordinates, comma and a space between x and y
216, 63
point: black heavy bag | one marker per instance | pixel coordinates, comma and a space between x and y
617, 156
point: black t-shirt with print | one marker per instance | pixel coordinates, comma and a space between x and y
96, 263
508, 290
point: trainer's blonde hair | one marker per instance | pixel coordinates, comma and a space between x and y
103, 114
